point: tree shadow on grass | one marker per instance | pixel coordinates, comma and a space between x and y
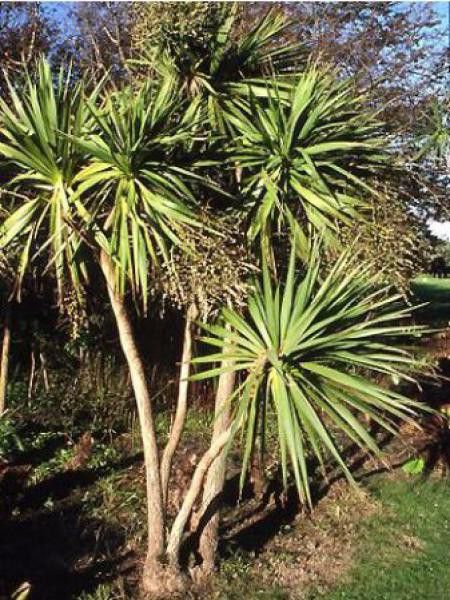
52, 550
61, 485
49, 541
36, 456
262, 518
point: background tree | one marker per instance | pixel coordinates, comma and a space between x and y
392, 49
24, 33
99, 41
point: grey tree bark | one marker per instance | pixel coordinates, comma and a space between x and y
215, 480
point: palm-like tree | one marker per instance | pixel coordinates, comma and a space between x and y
99, 182
305, 160
301, 348
106, 180
36, 148
221, 72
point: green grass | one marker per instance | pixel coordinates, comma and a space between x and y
400, 553
431, 288
435, 291
404, 550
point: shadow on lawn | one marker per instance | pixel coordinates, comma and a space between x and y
262, 518
50, 542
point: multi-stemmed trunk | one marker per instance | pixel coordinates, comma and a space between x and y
4, 361
215, 481
212, 464
161, 573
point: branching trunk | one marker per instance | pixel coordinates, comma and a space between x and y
182, 404
4, 362
215, 481
176, 533
165, 580
155, 513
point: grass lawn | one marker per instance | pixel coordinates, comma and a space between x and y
390, 544
399, 552
431, 288
436, 291
404, 551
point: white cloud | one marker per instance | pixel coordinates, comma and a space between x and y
441, 230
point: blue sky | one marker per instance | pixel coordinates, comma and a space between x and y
60, 10
442, 9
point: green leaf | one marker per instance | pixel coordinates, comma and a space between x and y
414, 466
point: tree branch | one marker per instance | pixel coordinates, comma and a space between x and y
182, 404
192, 494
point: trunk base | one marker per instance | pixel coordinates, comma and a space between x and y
163, 582
202, 573
209, 540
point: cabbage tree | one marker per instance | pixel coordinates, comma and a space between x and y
306, 161
96, 182
305, 348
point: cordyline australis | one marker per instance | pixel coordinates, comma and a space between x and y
101, 182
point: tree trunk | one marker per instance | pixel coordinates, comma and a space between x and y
215, 481
4, 362
44, 371
176, 533
182, 404
154, 578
